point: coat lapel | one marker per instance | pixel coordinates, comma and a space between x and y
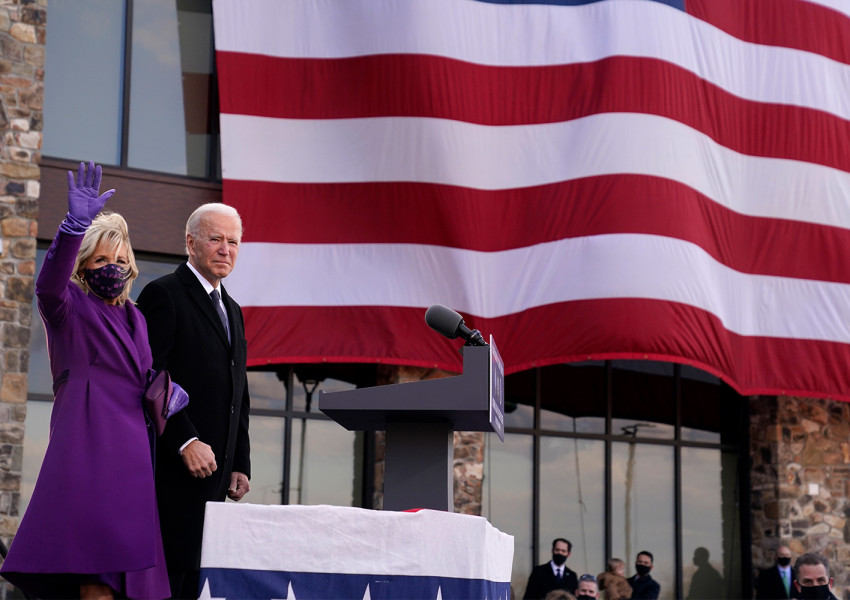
128, 341
199, 296
231, 318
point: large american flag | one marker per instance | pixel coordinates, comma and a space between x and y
580, 179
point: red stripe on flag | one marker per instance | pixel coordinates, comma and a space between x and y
431, 86
416, 213
639, 329
790, 23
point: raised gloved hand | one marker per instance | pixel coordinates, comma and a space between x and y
84, 197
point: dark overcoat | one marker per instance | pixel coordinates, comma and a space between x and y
93, 509
769, 585
542, 581
188, 339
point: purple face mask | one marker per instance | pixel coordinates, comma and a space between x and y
107, 282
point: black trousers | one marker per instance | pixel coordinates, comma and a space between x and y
184, 584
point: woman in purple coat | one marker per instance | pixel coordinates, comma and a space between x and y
92, 529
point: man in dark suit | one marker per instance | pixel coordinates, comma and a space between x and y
553, 575
644, 587
197, 333
775, 582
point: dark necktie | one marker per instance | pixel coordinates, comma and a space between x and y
216, 299
560, 573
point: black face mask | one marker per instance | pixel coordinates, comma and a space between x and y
783, 561
559, 559
642, 570
814, 591
584, 597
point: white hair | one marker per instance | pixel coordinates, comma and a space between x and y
193, 224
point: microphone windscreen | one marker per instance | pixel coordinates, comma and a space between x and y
443, 320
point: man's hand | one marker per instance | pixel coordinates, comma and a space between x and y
239, 486
199, 459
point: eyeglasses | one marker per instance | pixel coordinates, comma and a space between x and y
587, 577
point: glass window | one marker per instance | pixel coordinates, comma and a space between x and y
506, 498
573, 398
83, 87
572, 500
305, 396
644, 397
268, 390
172, 67
172, 115
519, 399
643, 510
36, 434
266, 460
710, 529
323, 467
711, 410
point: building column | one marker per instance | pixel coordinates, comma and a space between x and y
22, 35
800, 449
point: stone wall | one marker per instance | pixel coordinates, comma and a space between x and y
800, 451
468, 448
22, 35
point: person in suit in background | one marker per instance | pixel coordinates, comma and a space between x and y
553, 575
91, 528
775, 583
197, 333
812, 577
644, 587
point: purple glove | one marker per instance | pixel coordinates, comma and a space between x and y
83, 200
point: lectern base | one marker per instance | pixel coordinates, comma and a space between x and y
418, 466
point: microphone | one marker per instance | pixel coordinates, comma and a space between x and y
447, 322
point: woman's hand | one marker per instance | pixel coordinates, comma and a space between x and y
84, 197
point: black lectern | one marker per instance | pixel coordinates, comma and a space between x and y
419, 418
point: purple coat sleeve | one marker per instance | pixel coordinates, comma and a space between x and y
51, 287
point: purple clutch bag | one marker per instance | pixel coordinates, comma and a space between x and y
163, 398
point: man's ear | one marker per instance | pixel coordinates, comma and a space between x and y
797, 585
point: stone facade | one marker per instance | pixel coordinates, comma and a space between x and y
800, 451
468, 448
22, 35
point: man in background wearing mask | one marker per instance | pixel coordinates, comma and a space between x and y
553, 575
813, 580
774, 583
644, 587
588, 587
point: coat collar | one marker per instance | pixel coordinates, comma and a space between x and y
199, 296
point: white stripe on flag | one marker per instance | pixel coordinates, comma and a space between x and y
490, 34
502, 283
486, 157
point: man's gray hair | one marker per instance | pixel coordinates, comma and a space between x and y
193, 224
813, 559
